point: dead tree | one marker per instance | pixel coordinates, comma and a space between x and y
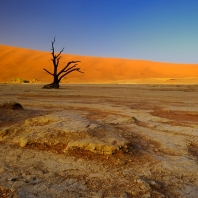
57, 76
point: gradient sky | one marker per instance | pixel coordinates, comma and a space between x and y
158, 30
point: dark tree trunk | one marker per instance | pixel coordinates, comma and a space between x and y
63, 72
54, 85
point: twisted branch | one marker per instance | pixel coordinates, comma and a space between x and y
75, 69
69, 63
48, 71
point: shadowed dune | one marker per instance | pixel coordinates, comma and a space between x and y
28, 64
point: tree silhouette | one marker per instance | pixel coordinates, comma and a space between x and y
70, 67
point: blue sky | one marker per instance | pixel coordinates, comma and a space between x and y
158, 30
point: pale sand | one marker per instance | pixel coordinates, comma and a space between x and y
160, 122
28, 64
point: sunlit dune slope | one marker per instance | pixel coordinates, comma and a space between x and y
28, 64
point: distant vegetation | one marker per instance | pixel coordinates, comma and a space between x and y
21, 80
18, 80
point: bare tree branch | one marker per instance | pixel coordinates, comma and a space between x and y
58, 59
53, 47
76, 69
60, 52
69, 63
48, 71
57, 62
70, 68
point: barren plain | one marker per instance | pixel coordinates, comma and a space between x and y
99, 141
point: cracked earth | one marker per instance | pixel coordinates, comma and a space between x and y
99, 141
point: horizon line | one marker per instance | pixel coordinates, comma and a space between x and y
95, 56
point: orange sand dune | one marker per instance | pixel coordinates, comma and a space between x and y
28, 64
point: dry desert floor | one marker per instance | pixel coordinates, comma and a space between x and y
99, 141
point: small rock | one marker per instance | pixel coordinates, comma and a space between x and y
155, 184
124, 195
34, 180
135, 120
23, 142
139, 181
99, 195
12, 179
156, 150
11, 105
142, 187
134, 193
147, 195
